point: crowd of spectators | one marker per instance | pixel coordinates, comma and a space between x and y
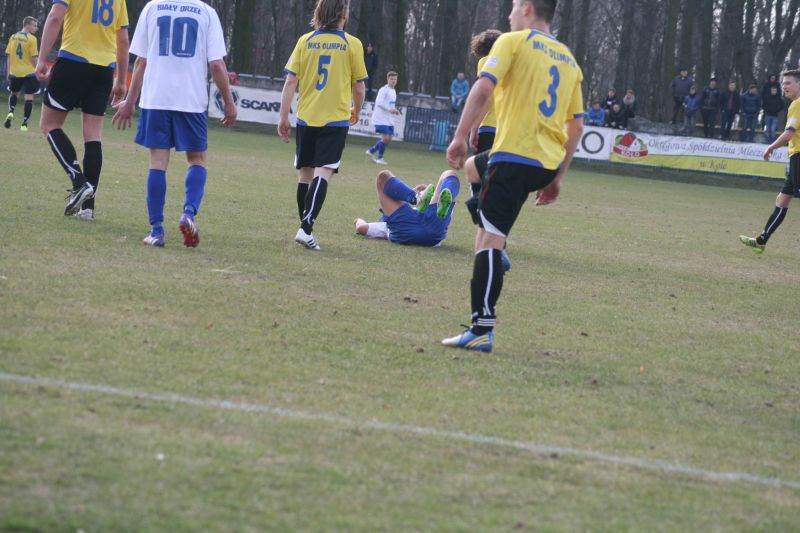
613, 112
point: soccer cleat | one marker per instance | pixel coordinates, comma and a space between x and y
154, 240
85, 214
9, 118
445, 201
752, 242
424, 199
472, 342
24, 128
504, 257
77, 197
308, 241
380, 161
191, 235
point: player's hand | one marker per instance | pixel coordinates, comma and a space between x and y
118, 93
284, 129
124, 115
395, 111
355, 116
420, 188
768, 153
42, 71
457, 154
230, 114
549, 194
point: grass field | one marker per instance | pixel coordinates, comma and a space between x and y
634, 324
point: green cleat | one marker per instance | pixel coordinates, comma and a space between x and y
23, 128
753, 243
9, 118
445, 201
425, 199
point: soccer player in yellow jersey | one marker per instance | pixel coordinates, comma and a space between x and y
536, 85
328, 66
483, 132
790, 83
22, 50
94, 43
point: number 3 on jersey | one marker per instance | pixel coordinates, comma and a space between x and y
322, 70
549, 109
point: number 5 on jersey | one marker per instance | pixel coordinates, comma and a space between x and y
322, 70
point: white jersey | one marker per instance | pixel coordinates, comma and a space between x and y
178, 38
384, 104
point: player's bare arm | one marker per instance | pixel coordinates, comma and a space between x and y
219, 73
474, 110
289, 88
126, 108
359, 93
549, 194
121, 74
780, 142
52, 28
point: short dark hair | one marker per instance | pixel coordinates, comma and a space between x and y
29, 20
390, 74
482, 43
545, 9
794, 73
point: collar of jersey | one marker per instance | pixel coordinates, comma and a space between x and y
340, 33
540, 32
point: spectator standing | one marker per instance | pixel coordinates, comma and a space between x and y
371, 61
617, 118
629, 104
691, 105
680, 87
772, 81
459, 90
773, 105
710, 108
596, 116
730, 105
751, 107
611, 99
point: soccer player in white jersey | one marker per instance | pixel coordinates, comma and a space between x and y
383, 118
176, 41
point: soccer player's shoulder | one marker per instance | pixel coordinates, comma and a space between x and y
354, 42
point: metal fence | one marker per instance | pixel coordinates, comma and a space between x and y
432, 127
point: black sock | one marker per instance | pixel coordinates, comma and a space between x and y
92, 166
302, 191
773, 224
65, 153
28, 111
487, 282
314, 200
12, 102
475, 188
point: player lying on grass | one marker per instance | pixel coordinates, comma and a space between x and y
170, 73
791, 137
418, 216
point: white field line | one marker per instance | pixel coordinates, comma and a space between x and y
662, 467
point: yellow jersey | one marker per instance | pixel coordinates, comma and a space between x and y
327, 63
793, 123
90, 30
22, 49
538, 90
489, 123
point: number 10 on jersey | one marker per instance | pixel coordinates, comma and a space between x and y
182, 32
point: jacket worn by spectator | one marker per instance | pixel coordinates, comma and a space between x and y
711, 98
773, 104
596, 117
751, 103
730, 102
617, 118
459, 88
680, 86
693, 103
768, 85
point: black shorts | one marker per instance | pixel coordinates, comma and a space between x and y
79, 85
29, 84
482, 164
485, 141
320, 147
791, 186
506, 190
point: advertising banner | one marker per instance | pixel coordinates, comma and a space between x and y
263, 107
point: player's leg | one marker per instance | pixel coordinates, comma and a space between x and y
791, 189
373, 150
13, 98
386, 139
392, 193
157, 195
52, 123
446, 191
27, 112
195, 184
92, 160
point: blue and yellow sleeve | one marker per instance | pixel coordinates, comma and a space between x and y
295, 61
576, 109
499, 60
358, 67
793, 116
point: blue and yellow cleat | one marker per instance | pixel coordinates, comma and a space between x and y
472, 342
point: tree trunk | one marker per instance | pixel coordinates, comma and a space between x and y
705, 10
668, 55
625, 44
565, 28
242, 39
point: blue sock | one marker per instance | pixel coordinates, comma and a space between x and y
195, 188
374, 148
452, 183
381, 149
156, 197
397, 190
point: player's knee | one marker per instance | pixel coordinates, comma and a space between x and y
473, 176
383, 177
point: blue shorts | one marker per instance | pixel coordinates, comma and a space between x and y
186, 132
409, 226
384, 130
